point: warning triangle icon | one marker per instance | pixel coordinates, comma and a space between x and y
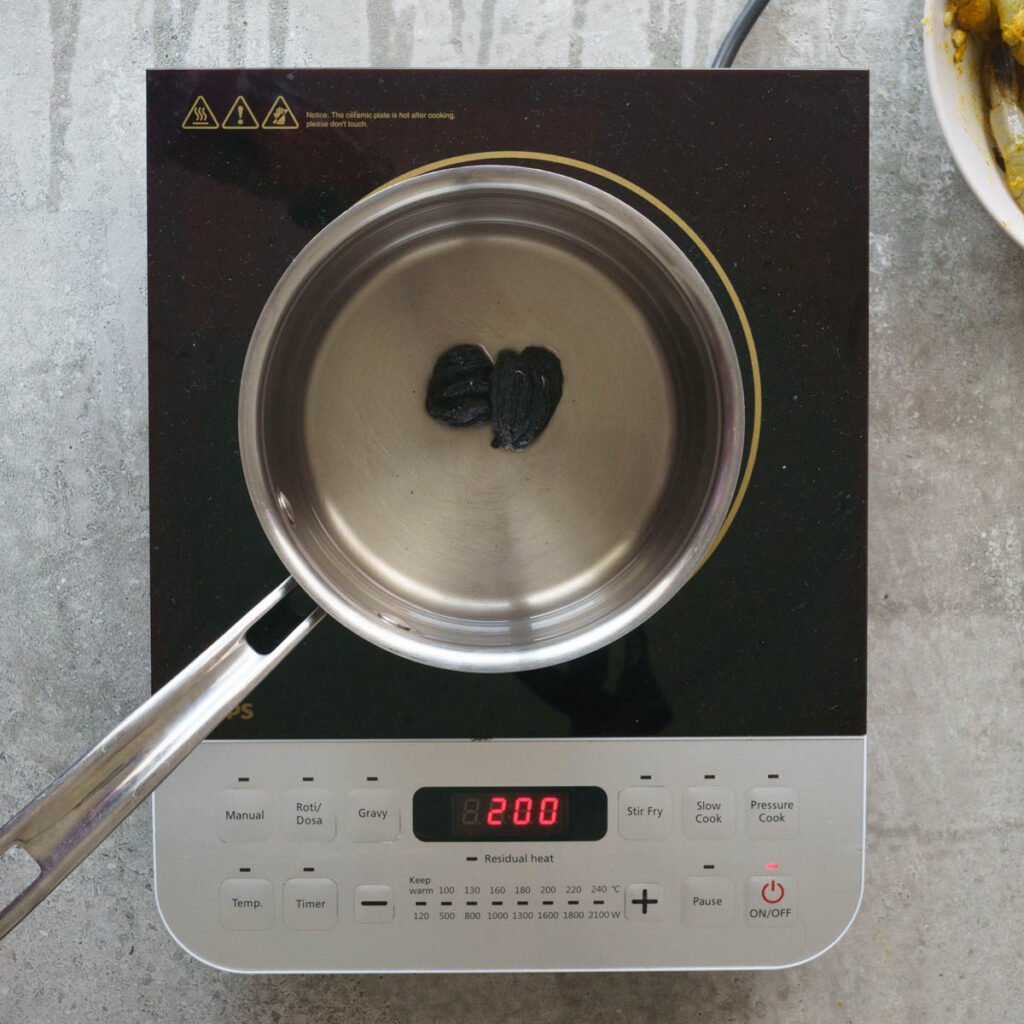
200, 115
280, 115
240, 116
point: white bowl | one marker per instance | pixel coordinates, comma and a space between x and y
962, 112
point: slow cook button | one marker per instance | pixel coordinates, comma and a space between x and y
246, 904
645, 812
243, 815
309, 815
771, 900
709, 812
310, 904
373, 815
773, 812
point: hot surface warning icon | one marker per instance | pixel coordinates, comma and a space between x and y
200, 115
280, 115
240, 115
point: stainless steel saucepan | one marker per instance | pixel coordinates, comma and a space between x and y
420, 537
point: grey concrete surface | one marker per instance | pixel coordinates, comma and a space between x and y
939, 938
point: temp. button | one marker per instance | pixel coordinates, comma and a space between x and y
373, 815
645, 812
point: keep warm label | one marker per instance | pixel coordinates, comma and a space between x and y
309, 815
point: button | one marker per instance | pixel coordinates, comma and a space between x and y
243, 815
645, 812
246, 904
375, 903
310, 904
709, 812
771, 900
644, 902
373, 815
773, 813
708, 901
309, 815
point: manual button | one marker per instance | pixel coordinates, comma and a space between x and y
243, 815
373, 815
645, 812
773, 812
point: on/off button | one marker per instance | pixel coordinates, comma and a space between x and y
771, 900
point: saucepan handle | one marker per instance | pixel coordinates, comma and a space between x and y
68, 820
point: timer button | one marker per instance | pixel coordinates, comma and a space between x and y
373, 815
310, 904
645, 812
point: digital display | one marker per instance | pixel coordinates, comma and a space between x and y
537, 813
454, 814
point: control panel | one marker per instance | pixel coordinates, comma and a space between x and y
511, 855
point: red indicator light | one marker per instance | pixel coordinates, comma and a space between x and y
771, 867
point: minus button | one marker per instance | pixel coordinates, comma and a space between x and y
374, 903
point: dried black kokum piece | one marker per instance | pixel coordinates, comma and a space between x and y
525, 389
459, 392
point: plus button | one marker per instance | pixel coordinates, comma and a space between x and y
644, 901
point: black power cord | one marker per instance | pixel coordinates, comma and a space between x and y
738, 32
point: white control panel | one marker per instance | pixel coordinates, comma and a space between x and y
464, 855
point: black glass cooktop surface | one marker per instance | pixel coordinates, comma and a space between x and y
767, 169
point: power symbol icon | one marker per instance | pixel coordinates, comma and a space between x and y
772, 892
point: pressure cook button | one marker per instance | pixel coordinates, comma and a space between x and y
773, 812
771, 900
708, 901
709, 812
644, 902
309, 815
645, 812
243, 815
246, 904
310, 904
375, 903
373, 815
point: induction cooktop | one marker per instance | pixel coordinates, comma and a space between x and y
690, 796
